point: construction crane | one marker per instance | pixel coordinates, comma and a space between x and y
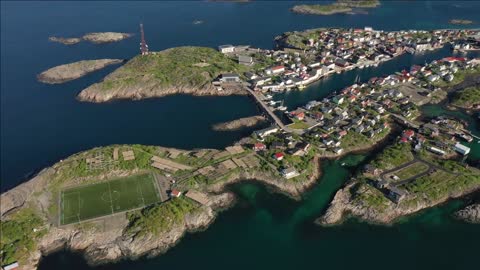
143, 43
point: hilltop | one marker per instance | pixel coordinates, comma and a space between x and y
187, 70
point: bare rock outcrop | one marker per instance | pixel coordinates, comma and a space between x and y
470, 213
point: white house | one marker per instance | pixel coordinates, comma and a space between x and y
226, 48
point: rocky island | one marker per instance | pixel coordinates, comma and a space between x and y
65, 41
460, 22
105, 37
182, 70
96, 38
339, 7
239, 123
75, 70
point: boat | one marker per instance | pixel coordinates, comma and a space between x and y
282, 108
268, 97
301, 86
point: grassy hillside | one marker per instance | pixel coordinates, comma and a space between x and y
185, 66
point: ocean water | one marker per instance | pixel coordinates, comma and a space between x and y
41, 124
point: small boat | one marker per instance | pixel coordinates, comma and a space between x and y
268, 97
282, 108
301, 86
343, 164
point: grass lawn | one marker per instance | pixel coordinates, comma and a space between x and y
96, 200
412, 170
297, 124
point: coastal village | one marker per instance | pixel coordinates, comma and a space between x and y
287, 155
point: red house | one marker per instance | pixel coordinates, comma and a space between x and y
279, 156
259, 147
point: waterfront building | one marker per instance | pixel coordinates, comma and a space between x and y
226, 48
462, 149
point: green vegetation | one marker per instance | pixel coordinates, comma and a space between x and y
467, 97
91, 201
19, 235
160, 218
354, 139
393, 156
297, 124
412, 170
181, 66
440, 184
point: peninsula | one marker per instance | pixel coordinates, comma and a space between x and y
96, 38
75, 70
339, 7
240, 123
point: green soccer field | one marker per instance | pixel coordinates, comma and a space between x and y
96, 200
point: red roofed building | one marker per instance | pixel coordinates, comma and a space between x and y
278, 69
454, 59
408, 134
259, 147
175, 193
278, 156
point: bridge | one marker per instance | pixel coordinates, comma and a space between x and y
272, 115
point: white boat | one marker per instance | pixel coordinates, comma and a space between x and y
282, 108
268, 97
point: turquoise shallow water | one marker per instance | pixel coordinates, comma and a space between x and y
41, 124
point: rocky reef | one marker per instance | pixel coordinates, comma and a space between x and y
239, 123
65, 41
470, 213
75, 70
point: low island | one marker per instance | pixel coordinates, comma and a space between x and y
96, 38
339, 7
460, 22
75, 70
240, 123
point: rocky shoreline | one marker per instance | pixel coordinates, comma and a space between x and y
470, 213
344, 205
107, 240
239, 123
96, 94
75, 70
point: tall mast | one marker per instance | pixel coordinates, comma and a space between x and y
143, 43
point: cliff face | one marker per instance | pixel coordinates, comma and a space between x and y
72, 71
470, 213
